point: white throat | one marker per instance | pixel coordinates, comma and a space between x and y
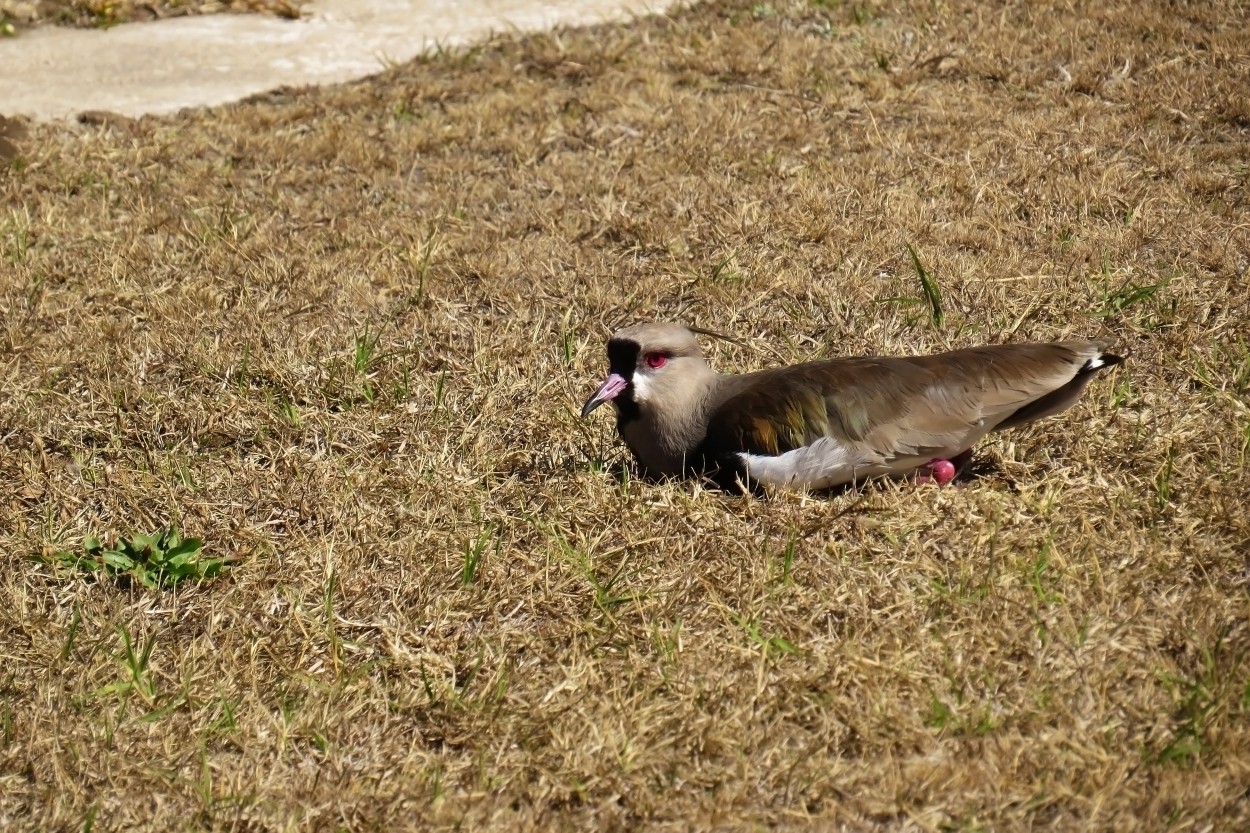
642, 389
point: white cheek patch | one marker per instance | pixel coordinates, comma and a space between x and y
642, 385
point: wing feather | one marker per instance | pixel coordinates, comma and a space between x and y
881, 413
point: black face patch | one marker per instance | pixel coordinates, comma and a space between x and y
622, 359
623, 356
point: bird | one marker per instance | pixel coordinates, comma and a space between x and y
829, 422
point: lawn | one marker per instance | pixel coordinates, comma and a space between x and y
18, 15
342, 336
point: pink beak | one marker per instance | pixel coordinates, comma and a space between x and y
606, 393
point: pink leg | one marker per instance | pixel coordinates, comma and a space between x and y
942, 472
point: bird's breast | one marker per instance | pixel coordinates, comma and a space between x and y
644, 442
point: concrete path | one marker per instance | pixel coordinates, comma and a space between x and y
165, 65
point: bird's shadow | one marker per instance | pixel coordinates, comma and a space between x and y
981, 468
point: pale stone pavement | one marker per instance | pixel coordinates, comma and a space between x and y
165, 65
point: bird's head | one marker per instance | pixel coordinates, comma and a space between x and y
647, 365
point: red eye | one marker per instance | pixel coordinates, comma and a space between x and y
655, 360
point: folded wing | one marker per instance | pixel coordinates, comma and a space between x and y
830, 422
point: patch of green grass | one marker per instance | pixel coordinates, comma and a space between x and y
1222, 369
1196, 703
1210, 694
931, 294
473, 552
1128, 294
773, 646
1038, 580
160, 560
968, 722
939, 715
136, 674
1150, 308
289, 413
788, 556
420, 262
16, 234
370, 375
725, 271
364, 355
668, 644
607, 590
929, 287
242, 374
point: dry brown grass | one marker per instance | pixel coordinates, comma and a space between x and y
15, 14
1061, 644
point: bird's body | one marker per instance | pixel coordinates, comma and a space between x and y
824, 423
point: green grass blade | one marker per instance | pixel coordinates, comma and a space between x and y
930, 288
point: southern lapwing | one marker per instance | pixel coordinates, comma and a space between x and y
825, 423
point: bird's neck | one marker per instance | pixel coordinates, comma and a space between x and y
665, 431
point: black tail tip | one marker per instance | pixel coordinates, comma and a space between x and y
1102, 362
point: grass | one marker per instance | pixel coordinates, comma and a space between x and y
342, 336
16, 15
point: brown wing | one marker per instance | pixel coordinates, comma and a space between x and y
1017, 383
886, 408
866, 403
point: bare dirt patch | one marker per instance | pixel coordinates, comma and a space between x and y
342, 335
